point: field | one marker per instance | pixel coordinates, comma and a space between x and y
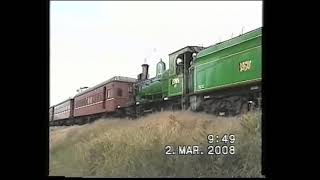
136, 148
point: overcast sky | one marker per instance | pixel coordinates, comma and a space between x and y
91, 42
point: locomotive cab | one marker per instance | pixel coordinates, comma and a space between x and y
180, 73
181, 60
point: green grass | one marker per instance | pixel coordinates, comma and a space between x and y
135, 148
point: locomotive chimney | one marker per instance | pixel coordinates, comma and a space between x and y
145, 68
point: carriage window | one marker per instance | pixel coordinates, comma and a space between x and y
119, 92
130, 89
108, 93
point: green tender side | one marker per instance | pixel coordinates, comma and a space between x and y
231, 63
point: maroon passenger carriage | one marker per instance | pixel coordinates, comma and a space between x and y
62, 112
109, 98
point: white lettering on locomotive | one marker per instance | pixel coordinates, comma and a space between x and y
201, 86
245, 66
175, 81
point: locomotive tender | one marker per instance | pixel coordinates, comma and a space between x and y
223, 79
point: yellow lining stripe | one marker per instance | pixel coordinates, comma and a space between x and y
228, 56
226, 85
231, 45
92, 104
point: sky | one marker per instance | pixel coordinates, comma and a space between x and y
91, 42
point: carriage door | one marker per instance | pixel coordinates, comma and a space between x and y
104, 97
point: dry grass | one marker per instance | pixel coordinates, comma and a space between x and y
135, 148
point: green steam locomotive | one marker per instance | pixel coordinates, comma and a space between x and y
223, 79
